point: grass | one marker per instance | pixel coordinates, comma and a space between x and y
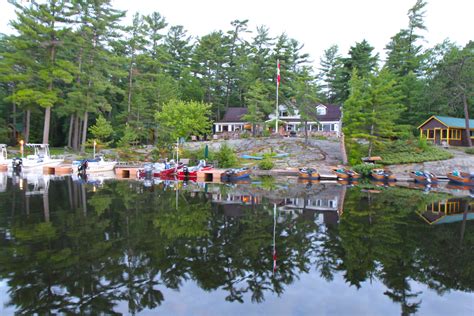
469, 151
399, 152
410, 151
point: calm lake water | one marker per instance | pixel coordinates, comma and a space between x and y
261, 248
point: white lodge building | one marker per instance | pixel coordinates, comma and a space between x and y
328, 119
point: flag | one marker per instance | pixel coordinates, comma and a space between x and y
278, 72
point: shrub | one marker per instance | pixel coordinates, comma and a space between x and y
245, 135
266, 164
226, 157
266, 133
423, 143
365, 169
470, 151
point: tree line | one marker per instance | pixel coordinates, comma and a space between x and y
73, 64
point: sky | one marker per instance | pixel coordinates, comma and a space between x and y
317, 24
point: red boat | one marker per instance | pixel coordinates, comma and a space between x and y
191, 172
168, 172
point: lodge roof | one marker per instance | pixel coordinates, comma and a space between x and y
333, 113
234, 115
448, 121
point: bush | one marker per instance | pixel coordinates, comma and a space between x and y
266, 164
266, 133
365, 169
470, 151
226, 157
196, 155
245, 135
423, 143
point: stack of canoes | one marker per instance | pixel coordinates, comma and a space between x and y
346, 174
308, 174
424, 177
463, 178
236, 174
383, 175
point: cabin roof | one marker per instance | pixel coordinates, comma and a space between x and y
448, 121
454, 218
233, 115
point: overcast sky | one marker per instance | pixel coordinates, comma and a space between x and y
315, 23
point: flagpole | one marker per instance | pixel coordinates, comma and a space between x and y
274, 243
278, 85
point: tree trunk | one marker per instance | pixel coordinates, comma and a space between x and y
47, 122
75, 138
130, 83
306, 132
254, 129
14, 120
84, 132
71, 127
466, 117
27, 126
371, 140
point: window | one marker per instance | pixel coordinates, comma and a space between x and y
333, 127
283, 113
455, 134
321, 110
444, 134
472, 133
430, 134
326, 127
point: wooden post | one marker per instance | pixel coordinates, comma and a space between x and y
447, 136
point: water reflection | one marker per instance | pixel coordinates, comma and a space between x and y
94, 247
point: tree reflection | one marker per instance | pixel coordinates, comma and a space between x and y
132, 243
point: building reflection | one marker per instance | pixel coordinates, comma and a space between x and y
448, 211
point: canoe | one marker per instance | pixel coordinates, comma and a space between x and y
383, 175
308, 174
346, 174
236, 174
461, 178
261, 157
423, 177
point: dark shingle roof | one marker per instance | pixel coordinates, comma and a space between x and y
333, 113
233, 115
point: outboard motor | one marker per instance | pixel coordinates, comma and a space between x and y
17, 164
148, 169
82, 169
186, 171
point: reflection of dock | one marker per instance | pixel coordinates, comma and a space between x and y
448, 211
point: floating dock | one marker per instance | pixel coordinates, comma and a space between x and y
213, 175
127, 172
58, 170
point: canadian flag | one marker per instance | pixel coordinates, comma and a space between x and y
278, 72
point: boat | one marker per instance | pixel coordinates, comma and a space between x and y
346, 174
383, 175
459, 177
308, 174
236, 174
423, 176
169, 170
97, 164
282, 155
191, 172
40, 157
4, 161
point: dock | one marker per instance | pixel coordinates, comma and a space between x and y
127, 172
62, 169
213, 175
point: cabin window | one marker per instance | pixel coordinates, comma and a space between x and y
321, 110
430, 134
472, 133
333, 127
444, 134
283, 113
455, 134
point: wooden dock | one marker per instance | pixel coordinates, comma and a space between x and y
127, 172
58, 170
213, 175
4, 167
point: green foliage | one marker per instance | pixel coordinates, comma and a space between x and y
102, 129
183, 119
365, 169
469, 150
226, 157
266, 163
129, 136
401, 152
196, 155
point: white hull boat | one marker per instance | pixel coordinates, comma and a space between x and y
94, 165
40, 158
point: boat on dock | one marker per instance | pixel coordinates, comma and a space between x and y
191, 172
4, 161
236, 174
308, 174
463, 178
383, 175
423, 177
95, 165
40, 158
346, 174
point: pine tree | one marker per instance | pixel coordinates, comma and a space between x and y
330, 64
258, 105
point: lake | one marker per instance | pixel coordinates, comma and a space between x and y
267, 247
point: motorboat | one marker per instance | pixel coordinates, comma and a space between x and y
383, 175
39, 158
308, 174
425, 177
191, 172
4, 161
236, 174
346, 174
95, 165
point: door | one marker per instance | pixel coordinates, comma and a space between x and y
437, 136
